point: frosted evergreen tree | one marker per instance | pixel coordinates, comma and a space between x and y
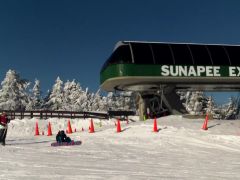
83, 101
116, 101
194, 102
90, 101
35, 100
120, 101
95, 101
124, 100
13, 94
46, 99
75, 99
231, 109
184, 95
78, 97
128, 100
210, 106
99, 102
110, 102
56, 96
112, 99
103, 104
67, 102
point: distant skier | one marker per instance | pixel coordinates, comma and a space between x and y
62, 137
3, 127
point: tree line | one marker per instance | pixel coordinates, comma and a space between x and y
197, 103
17, 93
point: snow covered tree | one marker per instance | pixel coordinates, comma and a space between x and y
75, 99
111, 101
82, 102
124, 100
78, 97
56, 96
67, 101
68, 96
194, 101
94, 100
231, 109
129, 100
35, 100
13, 94
99, 103
120, 101
210, 106
103, 104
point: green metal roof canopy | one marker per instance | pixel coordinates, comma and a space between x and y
144, 66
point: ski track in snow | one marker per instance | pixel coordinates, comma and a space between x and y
180, 150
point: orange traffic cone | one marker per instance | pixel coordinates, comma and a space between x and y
36, 129
69, 128
155, 129
118, 126
49, 130
205, 126
91, 128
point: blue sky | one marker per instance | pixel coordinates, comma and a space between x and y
72, 39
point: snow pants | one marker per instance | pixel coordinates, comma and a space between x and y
3, 134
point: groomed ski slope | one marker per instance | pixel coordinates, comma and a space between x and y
180, 150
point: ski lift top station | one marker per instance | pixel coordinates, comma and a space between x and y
150, 67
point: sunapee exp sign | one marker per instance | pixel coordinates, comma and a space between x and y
200, 71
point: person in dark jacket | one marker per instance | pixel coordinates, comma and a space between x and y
3, 127
62, 137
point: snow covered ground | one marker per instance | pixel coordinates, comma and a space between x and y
180, 150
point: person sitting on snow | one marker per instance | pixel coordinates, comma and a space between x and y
62, 137
3, 127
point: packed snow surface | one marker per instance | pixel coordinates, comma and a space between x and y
180, 150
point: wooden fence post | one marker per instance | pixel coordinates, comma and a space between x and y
21, 114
